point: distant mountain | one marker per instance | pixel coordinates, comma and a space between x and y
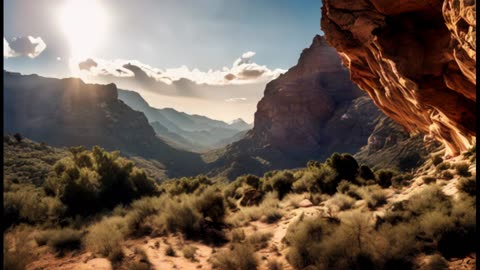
308, 113
68, 112
240, 124
192, 132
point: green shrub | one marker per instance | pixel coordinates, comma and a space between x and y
462, 169
89, 181
281, 182
468, 185
366, 173
252, 181
374, 196
384, 177
345, 165
239, 257
211, 205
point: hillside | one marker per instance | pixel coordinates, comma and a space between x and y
68, 112
191, 132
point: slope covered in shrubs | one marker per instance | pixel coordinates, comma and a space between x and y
98, 201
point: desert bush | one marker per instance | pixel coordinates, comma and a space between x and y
430, 198
26, 205
345, 165
401, 180
105, 238
373, 195
281, 182
447, 175
468, 185
462, 169
429, 179
238, 235
252, 181
89, 181
239, 257
349, 189
189, 252
211, 205
259, 240
60, 240
302, 236
343, 202
384, 177
268, 211
366, 173
188, 185
442, 166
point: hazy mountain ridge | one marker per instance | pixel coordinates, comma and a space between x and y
68, 112
192, 132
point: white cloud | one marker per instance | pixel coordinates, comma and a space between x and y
23, 46
7, 51
243, 71
236, 100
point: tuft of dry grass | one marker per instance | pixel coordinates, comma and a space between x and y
238, 257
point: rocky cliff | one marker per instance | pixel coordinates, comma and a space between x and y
68, 112
310, 112
415, 59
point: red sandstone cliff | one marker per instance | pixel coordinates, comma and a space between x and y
416, 59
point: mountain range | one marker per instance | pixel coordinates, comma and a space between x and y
191, 132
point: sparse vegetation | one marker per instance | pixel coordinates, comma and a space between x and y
462, 169
468, 185
239, 256
126, 204
60, 240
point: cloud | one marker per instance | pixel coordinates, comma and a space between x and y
87, 64
242, 71
236, 100
23, 46
7, 51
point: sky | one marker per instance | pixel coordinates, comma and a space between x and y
209, 57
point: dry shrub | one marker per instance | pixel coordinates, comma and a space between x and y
106, 237
238, 257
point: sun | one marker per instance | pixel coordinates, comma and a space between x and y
84, 23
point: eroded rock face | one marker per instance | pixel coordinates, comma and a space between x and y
416, 60
297, 105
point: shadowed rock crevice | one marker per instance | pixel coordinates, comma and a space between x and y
415, 59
